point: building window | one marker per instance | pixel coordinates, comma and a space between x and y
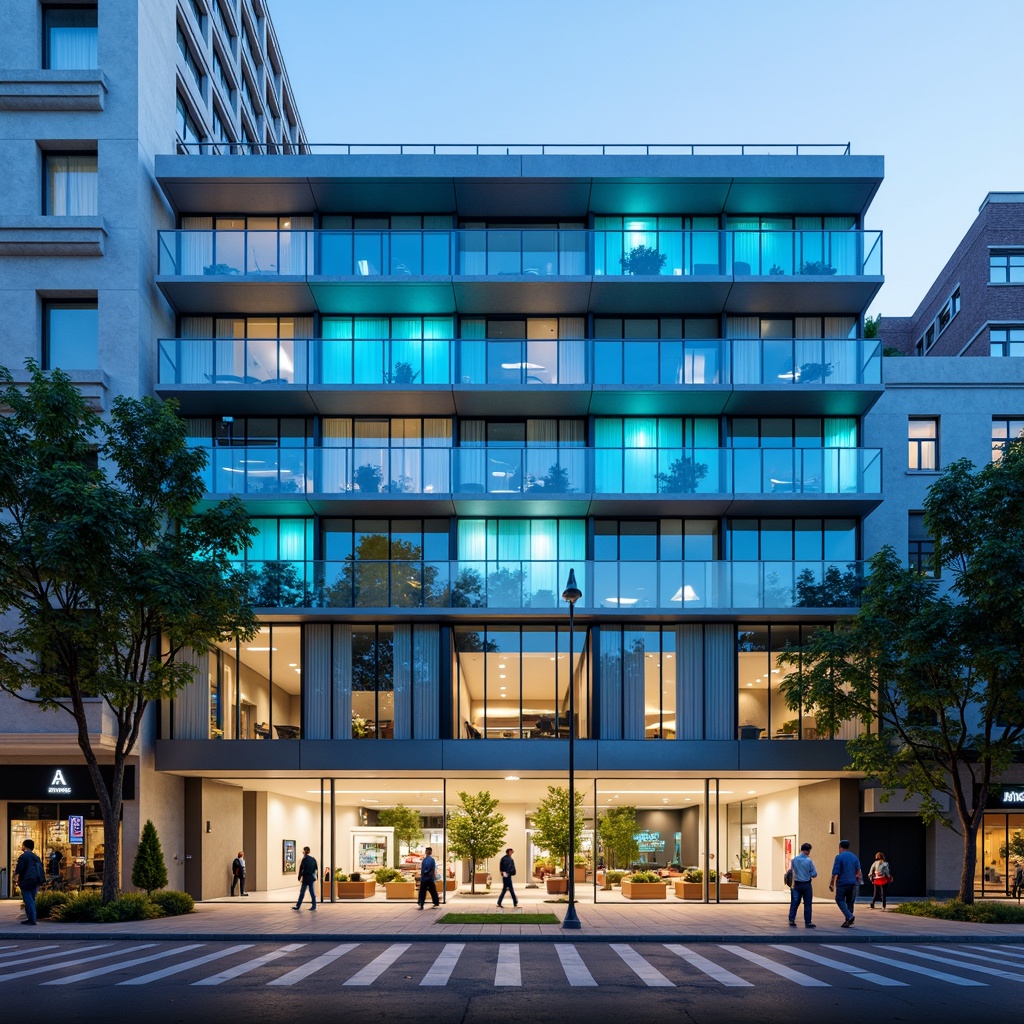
1003, 431
921, 547
945, 316
188, 131
72, 181
69, 38
1006, 267
190, 60
1006, 341
923, 444
71, 336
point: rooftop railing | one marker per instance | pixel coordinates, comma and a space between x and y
512, 584
541, 472
529, 253
526, 149
424, 362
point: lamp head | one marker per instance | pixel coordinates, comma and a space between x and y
572, 593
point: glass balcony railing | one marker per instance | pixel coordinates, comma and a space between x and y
419, 362
619, 586
542, 472
533, 252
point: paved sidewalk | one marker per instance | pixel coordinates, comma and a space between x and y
388, 922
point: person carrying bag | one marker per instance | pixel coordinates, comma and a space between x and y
880, 876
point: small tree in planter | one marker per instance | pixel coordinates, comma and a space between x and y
643, 260
811, 373
407, 825
551, 825
617, 828
476, 830
403, 373
682, 477
555, 481
817, 268
368, 478
149, 871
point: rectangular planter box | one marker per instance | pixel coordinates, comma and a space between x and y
354, 890
644, 890
400, 890
695, 890
556, 886
451, 885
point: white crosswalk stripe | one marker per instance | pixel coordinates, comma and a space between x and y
314, 965
1014, 951
441, 969
987, 957
649, 975
950, 979
96, 972
712, 970
75, 963
508, 971
576, 972
770, 965
10, 946
935, 958
168, 972
35, 949
875, 979
373, 970
250, 965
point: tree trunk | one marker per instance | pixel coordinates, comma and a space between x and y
472, 875
967, 872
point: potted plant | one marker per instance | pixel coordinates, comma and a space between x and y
403, 373
396, 885
551, 831
368, 478
691, 886
643, 260
811, 373
776, 271
614, 878
644, 885
353, 887
682, 477
817, 268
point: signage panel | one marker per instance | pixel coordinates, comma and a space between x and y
76, 828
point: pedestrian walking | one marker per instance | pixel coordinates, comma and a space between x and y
507, 867
428, 879
879, 875
1018, 881
307, 878
238, 873
846, 879
29, 874
803, 872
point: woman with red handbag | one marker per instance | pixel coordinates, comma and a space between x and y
880, 876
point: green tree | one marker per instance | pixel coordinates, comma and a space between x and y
551, 825
617, 828
476, 830
871, 325
108, 574
931, 683
149, 871
407, 824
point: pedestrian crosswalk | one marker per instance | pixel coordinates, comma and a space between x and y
515, 965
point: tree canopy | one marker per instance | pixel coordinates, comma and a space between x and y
936, 680
551, 824
108, 572
476, 830
617, 828
407, 825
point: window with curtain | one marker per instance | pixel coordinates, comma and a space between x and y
639, 666
70, 37
923, 443
389, 350
72, 185
71, 335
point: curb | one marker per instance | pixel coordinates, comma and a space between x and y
498, 935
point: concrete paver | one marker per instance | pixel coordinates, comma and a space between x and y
618, 921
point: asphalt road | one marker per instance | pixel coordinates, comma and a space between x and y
366, 982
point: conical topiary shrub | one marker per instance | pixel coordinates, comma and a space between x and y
149, 871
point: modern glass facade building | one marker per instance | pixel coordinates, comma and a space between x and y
440, 381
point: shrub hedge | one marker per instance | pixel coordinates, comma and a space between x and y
173, 902
88, 907
982, 912
47, 900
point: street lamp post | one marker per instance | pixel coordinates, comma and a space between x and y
572, 594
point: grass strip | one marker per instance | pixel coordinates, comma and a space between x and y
489, 917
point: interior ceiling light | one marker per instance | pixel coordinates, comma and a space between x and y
293, 664
503, 677
261, 648
511, 778
500, 666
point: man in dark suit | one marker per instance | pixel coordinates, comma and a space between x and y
428, 879
238, 874
507, 867
307, 878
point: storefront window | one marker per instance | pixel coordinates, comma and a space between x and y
995, 867
69, 866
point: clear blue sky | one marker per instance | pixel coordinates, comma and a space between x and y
934, 86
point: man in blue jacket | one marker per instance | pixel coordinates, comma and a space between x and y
846, 880
428, 879
802, 892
